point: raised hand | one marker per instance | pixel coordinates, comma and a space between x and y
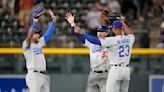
51, 14
38, 12
70, 18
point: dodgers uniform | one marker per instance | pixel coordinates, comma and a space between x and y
119, 47
98, 63
36, 63
99, 68
119, 57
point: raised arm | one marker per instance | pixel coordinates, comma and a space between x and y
126, 28
35, 16
82, 36
31, 32
51, 27
74, 28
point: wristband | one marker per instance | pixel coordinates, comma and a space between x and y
72, 25
33, 25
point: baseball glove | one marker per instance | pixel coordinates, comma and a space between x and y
38, 12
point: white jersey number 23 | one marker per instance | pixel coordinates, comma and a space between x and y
124, 50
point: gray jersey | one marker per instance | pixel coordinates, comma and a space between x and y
97, 61
34, 56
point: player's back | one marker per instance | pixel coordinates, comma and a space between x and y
120, 49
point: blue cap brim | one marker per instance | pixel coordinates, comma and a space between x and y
100, 30
103, 28
109, 27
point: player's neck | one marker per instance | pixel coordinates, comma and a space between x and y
34, 41
119, 33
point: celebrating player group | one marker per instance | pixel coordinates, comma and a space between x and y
110, 52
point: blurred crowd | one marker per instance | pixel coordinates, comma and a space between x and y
145, 17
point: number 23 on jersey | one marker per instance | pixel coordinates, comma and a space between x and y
124, 50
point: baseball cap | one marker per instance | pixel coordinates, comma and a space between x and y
102, 28
117, 24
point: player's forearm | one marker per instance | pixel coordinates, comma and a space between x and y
82, 36
49, 31
79, 36
77, 29
92, 39
127, 29
30, 33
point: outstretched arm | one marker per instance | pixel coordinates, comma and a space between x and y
74, 29
51, 27
78, 33
85, 36
79, 36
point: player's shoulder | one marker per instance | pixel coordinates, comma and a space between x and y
24, 42
24, 45
109, 38
41, 39
131, 36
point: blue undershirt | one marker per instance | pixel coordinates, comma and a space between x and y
49, 31
84, 36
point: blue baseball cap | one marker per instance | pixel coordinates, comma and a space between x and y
102, 28
117, 24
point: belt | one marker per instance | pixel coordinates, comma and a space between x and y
43, 72
100, 71
121, 65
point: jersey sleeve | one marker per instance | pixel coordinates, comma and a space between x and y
108, 41
42, 41
132, 38
25, 45
87, 43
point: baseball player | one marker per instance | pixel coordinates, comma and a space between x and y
98, 58
120, 52
32, 50
119, 47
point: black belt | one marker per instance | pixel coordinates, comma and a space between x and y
120, 65
100, 71
43, 72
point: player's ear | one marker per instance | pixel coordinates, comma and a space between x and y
107, 33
